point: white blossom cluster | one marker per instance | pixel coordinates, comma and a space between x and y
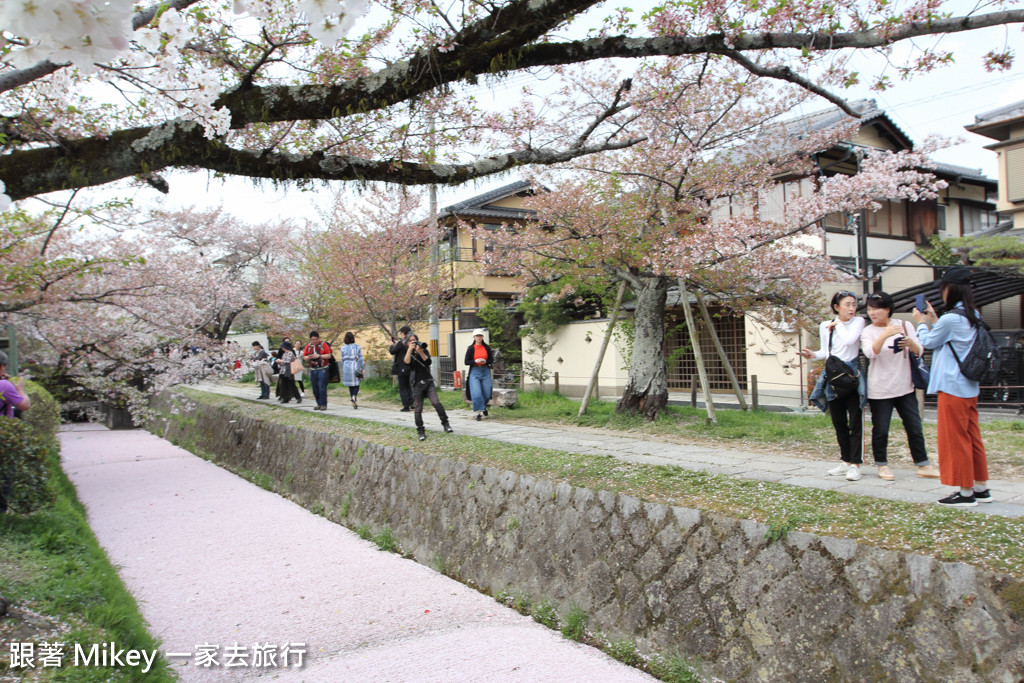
80, 32
90, 33
329, 20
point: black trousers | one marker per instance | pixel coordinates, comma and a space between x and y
405, 389
848, 420
427, 389
881, 416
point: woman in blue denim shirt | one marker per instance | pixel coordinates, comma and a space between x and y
847, 412
962, 459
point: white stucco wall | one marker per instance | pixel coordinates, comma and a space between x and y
573, 358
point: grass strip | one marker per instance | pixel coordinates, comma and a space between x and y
53, 566
985, 541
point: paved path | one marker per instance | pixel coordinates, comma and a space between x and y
795, 471
214, 560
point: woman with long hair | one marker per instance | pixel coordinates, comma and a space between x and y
887, 343
962, 459
840, 337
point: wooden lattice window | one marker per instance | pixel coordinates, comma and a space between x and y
683, 365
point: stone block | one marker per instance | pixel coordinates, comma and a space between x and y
960, 582
504, 398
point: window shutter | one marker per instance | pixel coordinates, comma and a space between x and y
1015, 174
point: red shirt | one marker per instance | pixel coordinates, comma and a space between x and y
323, 348
479, 353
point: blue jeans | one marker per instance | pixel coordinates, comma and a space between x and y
318, 378
480, 386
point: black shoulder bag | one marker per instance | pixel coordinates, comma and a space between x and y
838, 374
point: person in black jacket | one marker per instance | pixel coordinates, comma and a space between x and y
479, 357
400, 369
418, 359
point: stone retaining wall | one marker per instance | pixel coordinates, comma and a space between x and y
670, 579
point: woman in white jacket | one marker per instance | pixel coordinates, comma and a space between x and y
840, 337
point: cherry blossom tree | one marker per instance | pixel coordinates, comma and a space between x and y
110, 306
692, 205
368, 262
94, 92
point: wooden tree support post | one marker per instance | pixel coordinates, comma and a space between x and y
556, 382
697, 355
753, 390
592, 385
721, 351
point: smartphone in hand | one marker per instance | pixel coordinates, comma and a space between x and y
920, 303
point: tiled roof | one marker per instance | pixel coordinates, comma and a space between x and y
1010, 111
976, 174
477, 206
834, 116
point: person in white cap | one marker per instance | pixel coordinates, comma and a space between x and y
479, 357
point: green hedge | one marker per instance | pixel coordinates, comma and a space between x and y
23, 475
44, 414
24, 447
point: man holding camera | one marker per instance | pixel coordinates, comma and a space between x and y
400, 369
417, 358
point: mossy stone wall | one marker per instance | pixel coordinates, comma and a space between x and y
670, 579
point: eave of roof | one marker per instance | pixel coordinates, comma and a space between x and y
989, 287
475, 204
995, 124
974, 175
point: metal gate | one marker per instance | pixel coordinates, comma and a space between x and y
682, 365
446, 370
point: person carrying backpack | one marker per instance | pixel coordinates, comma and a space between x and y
962, 461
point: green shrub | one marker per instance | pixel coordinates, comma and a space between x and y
575, 625
625, 652
44, 415
386, 541
23, 475
545, 614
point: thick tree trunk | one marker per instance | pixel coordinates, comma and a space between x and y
646, 391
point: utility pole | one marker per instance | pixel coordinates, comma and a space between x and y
435, 327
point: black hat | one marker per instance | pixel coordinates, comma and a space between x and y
957, 275
405, 329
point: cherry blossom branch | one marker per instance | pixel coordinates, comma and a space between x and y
19, 77
553, 54
56, 224
784, 73
95, 161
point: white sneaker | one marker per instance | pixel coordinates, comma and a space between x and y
853, 474
839, 470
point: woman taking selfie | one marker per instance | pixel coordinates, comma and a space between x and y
962, 459
840, 337
887, 343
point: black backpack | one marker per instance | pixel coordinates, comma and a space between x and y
982, 362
